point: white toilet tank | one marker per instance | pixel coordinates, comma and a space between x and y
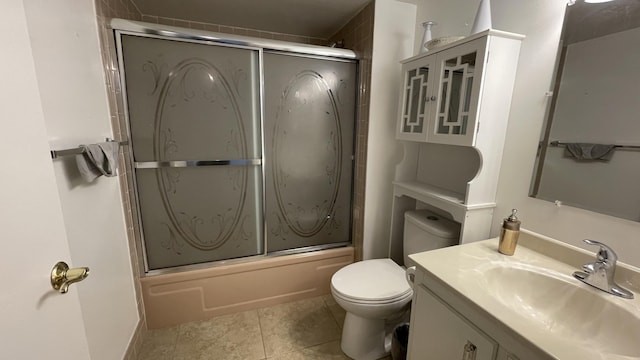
424, 230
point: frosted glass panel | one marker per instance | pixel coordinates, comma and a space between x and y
199, 214
190, 104
309, 120
191, 101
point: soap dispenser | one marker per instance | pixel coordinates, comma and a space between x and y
509, 234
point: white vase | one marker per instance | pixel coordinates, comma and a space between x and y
483, 17
427, 35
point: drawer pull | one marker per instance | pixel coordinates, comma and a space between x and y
469, 351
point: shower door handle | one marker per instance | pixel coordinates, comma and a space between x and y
195, 163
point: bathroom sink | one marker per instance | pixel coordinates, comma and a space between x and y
531, 303
564, 307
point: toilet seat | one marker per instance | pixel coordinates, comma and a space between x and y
379, 281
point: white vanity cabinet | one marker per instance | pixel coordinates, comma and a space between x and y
446, 325
439, 332
505, 355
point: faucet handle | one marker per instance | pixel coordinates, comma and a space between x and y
605, 254
590, 268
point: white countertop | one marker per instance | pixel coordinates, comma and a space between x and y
462, 269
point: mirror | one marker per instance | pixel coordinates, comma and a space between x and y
589, 153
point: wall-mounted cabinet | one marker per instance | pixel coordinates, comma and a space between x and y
444, 90
454, 107
440, 97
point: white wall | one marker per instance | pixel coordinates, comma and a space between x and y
597, 103
392, 41
33, 234
66, 53
541, 22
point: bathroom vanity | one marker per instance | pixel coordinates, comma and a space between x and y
471, 302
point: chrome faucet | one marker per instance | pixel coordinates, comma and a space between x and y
600, 274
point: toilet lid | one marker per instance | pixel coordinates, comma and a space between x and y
371, 280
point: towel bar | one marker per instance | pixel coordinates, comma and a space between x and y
562, 143
76, 151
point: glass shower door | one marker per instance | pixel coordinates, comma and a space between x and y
309, 123
194, 117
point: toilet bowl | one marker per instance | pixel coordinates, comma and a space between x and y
371, 292
375, 293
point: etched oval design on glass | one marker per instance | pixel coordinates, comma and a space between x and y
195, 87
307, 153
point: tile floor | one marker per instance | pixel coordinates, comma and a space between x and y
301, 330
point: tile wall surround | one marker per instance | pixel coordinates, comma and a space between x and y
233, 30
357, 34
105, 10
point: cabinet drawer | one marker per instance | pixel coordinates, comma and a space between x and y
439, 333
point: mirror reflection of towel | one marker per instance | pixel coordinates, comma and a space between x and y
587, 151
98, 159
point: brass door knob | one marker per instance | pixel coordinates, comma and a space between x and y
62, 276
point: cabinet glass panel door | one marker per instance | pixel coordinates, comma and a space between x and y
457, 81
417, 95
459, 88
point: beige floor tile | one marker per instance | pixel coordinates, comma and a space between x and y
328, 351
336, 310
228, 337
297, 325
159, 344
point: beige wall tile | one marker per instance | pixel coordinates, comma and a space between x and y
212, 27
150, 19
181, 23
197, 25
105, 10
226, 29
357, 35
166, 21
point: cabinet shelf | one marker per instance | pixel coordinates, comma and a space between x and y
444, 199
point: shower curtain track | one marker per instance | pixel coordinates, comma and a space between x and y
167, 31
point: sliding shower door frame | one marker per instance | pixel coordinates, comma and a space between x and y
132, 28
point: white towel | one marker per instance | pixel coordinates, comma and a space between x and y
98, 159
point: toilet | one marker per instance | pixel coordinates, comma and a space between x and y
375, 294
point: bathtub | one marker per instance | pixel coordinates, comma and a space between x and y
172, 299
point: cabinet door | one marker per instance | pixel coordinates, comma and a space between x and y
416, 98
459, 78
505, 355
438, 332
